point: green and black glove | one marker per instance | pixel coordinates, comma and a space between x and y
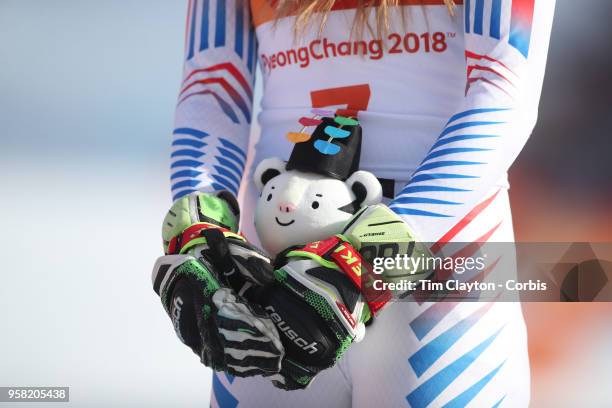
323, 297
206, 265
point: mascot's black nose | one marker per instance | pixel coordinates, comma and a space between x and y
286, 207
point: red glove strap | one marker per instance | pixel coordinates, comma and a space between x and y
343, 254
191, 233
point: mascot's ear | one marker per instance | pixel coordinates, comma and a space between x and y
366, 187
266, 170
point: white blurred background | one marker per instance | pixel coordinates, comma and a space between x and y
87, 95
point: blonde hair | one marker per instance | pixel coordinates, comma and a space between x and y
306, 9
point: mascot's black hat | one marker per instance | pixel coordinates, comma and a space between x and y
333, 149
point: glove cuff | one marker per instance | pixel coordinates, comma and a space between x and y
337, 253
195, 208
193, 236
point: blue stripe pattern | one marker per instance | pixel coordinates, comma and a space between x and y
478, 16
227, 109
458, 138
452, 150
245, 48
220, 22
466, 11
452, 162
251, 56
182, 193
425, 393
188, 142
494, 30
193, 152
423, 200
450, 129
224, 398
192, 29
233, 147
420, 189
238, 20
204, 27
227, 184
471, 112
468, 395
230, 165
196, 154
520, 41
186, 163
229, 154
239, 29
426, 321
244, 109
226, 172
185, 173
498, 403
218, 187
438, 176
222, 171
519, 30
427, 355
185, 183
446, 163
191, 132
414, 211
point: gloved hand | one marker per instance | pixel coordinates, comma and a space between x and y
206, 262
317, 306
323, 294
376, 231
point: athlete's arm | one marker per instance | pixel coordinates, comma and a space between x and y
506, 44
214, 106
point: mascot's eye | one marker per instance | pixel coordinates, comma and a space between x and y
269, 197
315, 204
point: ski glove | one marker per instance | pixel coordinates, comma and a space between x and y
204, 259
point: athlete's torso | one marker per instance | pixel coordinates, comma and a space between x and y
405, 86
